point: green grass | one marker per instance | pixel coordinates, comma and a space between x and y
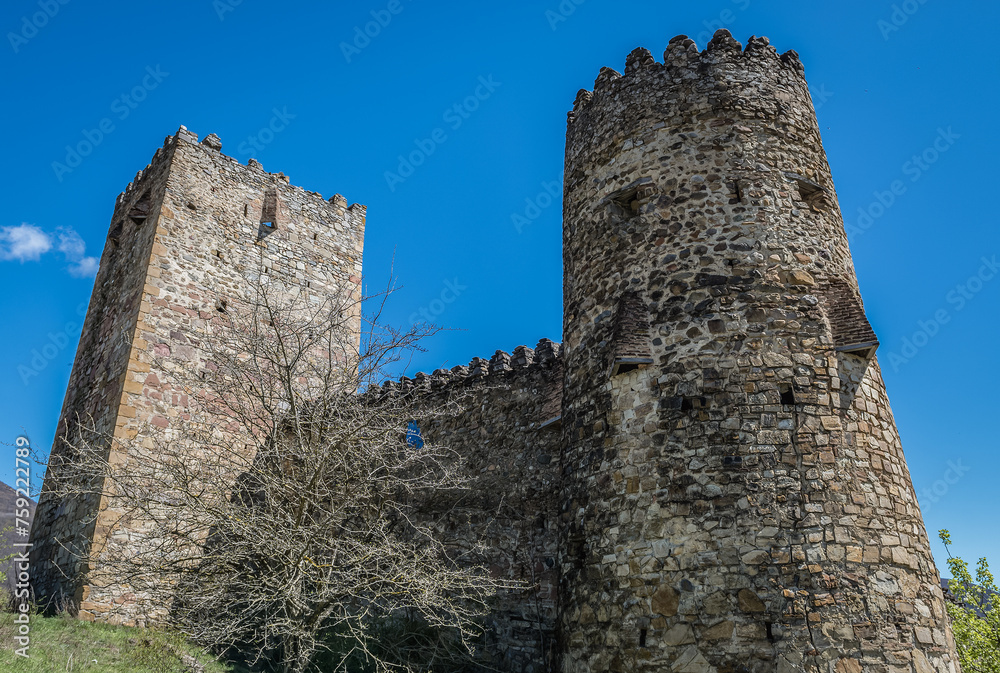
66, 645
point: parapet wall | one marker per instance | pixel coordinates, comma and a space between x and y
508, 433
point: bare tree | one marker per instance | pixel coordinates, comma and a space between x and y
278, 520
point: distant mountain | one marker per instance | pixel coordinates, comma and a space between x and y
948, 596
8, 534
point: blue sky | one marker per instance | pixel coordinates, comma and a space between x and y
906, 95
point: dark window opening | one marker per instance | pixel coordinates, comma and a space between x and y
220, 306
691, 403
139, 213
735, 192
628, 201
269, 211
624, 365
246, 209
413, 436
116, 233
787, 394
770, 634
811, 192
315, 237
642, 637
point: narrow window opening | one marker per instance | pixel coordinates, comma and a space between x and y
221, 305
315, 237
116, 233
787, 394
628, 201
735, 192
770, 633
413, 436
623, 365
139, 213
691, 403
269, 211
810, 192
246, 209
642, 637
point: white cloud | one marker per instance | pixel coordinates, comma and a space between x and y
28, 243
24, 243
70, 244
85, 268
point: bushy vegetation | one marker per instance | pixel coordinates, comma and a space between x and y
974, 612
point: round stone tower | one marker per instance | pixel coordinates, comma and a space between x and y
736, 497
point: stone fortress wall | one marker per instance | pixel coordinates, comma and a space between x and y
704, 477
507, 430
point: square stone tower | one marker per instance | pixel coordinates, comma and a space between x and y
185, 233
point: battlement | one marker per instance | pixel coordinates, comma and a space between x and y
683, 61
213, 143
547, 354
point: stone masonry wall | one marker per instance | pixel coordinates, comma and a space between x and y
742, 503
210, 237
705, 477
511, 445
63, 528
